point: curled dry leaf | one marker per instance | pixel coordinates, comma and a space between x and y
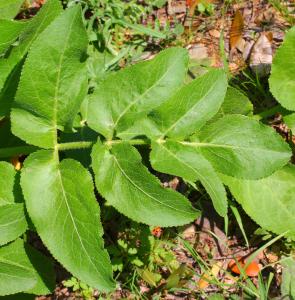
236, 30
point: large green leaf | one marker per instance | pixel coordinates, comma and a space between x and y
124, 96
180, 160
9, 8
10, 30
242, 147
288, 278
44, 271
20, 267
16, 273
47, 13
68, 217
269, 201
7, 175
282, 80
192, 106
126, 184
9, 90
53, 83
12, 222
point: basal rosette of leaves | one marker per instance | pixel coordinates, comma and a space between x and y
192, 130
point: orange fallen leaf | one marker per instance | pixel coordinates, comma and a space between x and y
236, 30
252, 269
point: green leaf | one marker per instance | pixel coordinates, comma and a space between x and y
16, 273
126, 184
7, 175
192, 106
22, 270
242, 147
53, 83
9, 90
68, 217
282, 81
45, 16
12, 222
290, 121
9, 8
10, 30
288, 278
234, 102
184, 161
44, 271
270, 201
130, 93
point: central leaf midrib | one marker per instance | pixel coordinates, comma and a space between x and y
144, 192
187, 112
74, 224
196, 171
55, 103
142, 95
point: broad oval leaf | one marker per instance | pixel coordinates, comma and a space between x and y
241, 147
180, 160
68, 217
126, 184
53, 83
282, 81
12, 222
128, 94
9, 8
44, 17
10, 30
16, 275
270, 201
192, 106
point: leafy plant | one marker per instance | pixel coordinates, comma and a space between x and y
46, 94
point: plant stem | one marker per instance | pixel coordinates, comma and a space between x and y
14, 151
24, 150
74, 145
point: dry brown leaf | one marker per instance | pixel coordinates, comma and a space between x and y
236, 30
208, 276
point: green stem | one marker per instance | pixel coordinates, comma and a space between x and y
24, 150
74, 145
14, 151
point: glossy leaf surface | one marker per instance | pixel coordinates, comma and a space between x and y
128, 94
242, 147
184, 161
281, 81
68, 217
126, 184
270, 201
9, 8
192, 106
16, 273
45, 16
10, 30
12, 222
53, 82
